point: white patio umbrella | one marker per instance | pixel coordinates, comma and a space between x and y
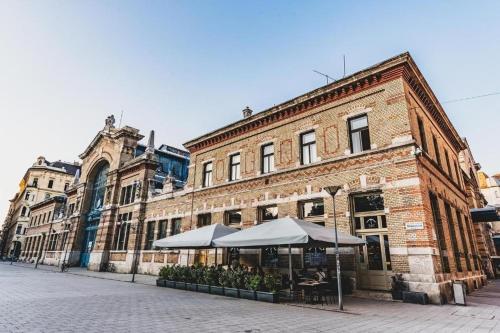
201, 238
287, 231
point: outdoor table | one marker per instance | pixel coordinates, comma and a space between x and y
309, 287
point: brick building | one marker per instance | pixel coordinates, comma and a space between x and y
380, 134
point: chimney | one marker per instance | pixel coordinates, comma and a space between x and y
247, 112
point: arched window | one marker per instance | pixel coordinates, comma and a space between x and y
99, 188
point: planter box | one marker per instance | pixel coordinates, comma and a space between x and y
232, 292
204, 288
248, 294
216, 290
160, 282
169, 284
192, 286
415, 297
267, 297
180, 285
397, 295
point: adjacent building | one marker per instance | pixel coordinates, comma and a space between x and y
380, 134
41, 181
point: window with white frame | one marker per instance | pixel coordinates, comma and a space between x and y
359, 134
308, 147
207, 174
267, 152
234, 167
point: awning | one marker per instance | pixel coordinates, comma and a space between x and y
286, 231
201, 238
485, 214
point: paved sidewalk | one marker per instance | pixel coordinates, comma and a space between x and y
45, 301
139, 278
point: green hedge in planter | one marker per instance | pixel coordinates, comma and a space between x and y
233, 282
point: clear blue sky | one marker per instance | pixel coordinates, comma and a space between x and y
186, 67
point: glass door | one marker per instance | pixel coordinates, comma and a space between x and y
370, 224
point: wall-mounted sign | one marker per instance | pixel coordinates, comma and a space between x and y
414, 225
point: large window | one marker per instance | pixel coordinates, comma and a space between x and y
128, 194
438, 223
53, 241
464, 239
35, 182
421, 130
122, 231
23, 211
308, 147
162, 229
234, 167
370, 224
448, 166
150, 235
268, 213
313, 211
359, 134
267, 153
51, 183
27, 196
453, 236
233, 218
204, 220
436, 150
207, 174
176, 226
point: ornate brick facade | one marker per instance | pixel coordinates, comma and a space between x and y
402, 164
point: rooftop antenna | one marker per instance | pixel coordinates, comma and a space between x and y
328, 77
121, 116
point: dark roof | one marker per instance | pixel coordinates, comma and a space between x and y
485, 214
69, 167
165, 149
59, 198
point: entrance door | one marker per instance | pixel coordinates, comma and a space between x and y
88, 245
374, 262
370, 224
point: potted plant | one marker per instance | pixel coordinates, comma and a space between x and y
234, 277
180, 274
213, 279
201, 273
224, 280
252, 284
191, 278
271, 283
162, 277
398, 285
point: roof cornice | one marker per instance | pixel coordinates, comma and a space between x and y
421, 88
355, 83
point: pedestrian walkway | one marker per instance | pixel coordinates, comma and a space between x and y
44, 300
82, 271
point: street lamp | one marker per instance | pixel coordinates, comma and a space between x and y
332, 190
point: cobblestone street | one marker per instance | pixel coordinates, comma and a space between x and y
46, 301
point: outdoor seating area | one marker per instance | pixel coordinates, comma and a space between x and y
272, 285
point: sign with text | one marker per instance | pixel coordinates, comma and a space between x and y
414, 225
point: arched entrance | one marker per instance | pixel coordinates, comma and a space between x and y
97, 191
